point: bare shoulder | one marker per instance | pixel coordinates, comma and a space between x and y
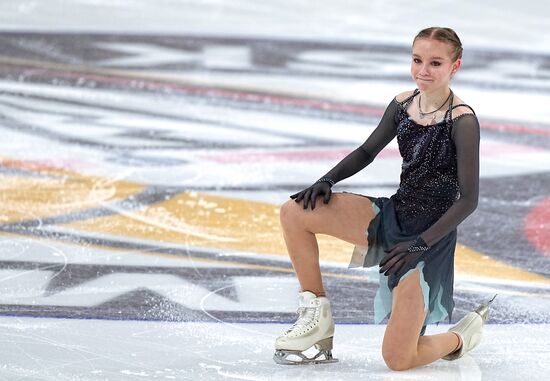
461, 110
404, 95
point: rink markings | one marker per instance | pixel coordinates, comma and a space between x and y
487, 148
537, 226
162, 81
57, 191
71, 94
189, 218
254, 226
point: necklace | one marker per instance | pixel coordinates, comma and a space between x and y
424, 114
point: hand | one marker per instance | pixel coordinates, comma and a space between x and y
401, 255
309, 195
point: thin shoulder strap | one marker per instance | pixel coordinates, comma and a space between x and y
450, 116
450, 109
463, 104
406, 101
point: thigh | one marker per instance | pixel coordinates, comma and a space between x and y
346, 216
407, 317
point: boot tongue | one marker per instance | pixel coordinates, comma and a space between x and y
306, 297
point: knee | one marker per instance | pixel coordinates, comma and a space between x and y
396, 360
289, 213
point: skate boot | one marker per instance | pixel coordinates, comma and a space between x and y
314, 327
469, 330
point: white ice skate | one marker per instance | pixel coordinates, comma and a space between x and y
314, 327
469, 330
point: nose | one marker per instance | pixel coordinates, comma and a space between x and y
424, 70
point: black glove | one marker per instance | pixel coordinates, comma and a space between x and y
309, 195
402, 254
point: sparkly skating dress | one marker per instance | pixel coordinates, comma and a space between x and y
439, 180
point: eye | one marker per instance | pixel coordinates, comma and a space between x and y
435, 63
416, 60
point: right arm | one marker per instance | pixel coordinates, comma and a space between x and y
366, 152
355, 160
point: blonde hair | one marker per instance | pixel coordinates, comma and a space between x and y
446, 35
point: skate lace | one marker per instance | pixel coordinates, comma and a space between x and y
308, 316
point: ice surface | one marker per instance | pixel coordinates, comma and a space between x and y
58, 349
147, 147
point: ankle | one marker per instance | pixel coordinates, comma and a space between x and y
317, 293
459, 345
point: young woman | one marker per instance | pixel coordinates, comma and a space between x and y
411, 235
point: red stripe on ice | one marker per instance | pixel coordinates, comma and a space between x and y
498, 148
515, 128
537, 226
486, 149
309, 155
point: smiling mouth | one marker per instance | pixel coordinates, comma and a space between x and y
422, 79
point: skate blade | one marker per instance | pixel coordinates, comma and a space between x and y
281, 357
483, 310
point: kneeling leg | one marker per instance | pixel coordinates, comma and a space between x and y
402, 347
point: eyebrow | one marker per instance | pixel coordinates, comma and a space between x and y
437, 58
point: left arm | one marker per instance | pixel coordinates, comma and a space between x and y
466, 139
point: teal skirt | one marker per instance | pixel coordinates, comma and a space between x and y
436, 265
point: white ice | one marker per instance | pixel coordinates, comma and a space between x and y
57, 349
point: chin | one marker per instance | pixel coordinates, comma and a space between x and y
423, 85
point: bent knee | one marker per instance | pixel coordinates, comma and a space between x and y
396, 360
289, 212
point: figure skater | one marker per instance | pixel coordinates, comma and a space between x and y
411, 236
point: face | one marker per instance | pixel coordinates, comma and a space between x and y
432, 66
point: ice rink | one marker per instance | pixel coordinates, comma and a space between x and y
147, 147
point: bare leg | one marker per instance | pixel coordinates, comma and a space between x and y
434, 347
402, 347
303, 251
346, 216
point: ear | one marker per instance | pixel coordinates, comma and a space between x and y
456, 65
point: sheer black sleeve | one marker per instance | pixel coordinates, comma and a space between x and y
465, 134
365, 154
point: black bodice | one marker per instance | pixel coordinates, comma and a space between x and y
429, 181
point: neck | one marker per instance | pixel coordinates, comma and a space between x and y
433, 99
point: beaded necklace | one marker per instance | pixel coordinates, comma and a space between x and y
424, 114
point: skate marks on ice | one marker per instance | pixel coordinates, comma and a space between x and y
126, 156
141, 178
108, 279
53, 349
112, 249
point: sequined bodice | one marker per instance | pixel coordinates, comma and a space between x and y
429, 180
